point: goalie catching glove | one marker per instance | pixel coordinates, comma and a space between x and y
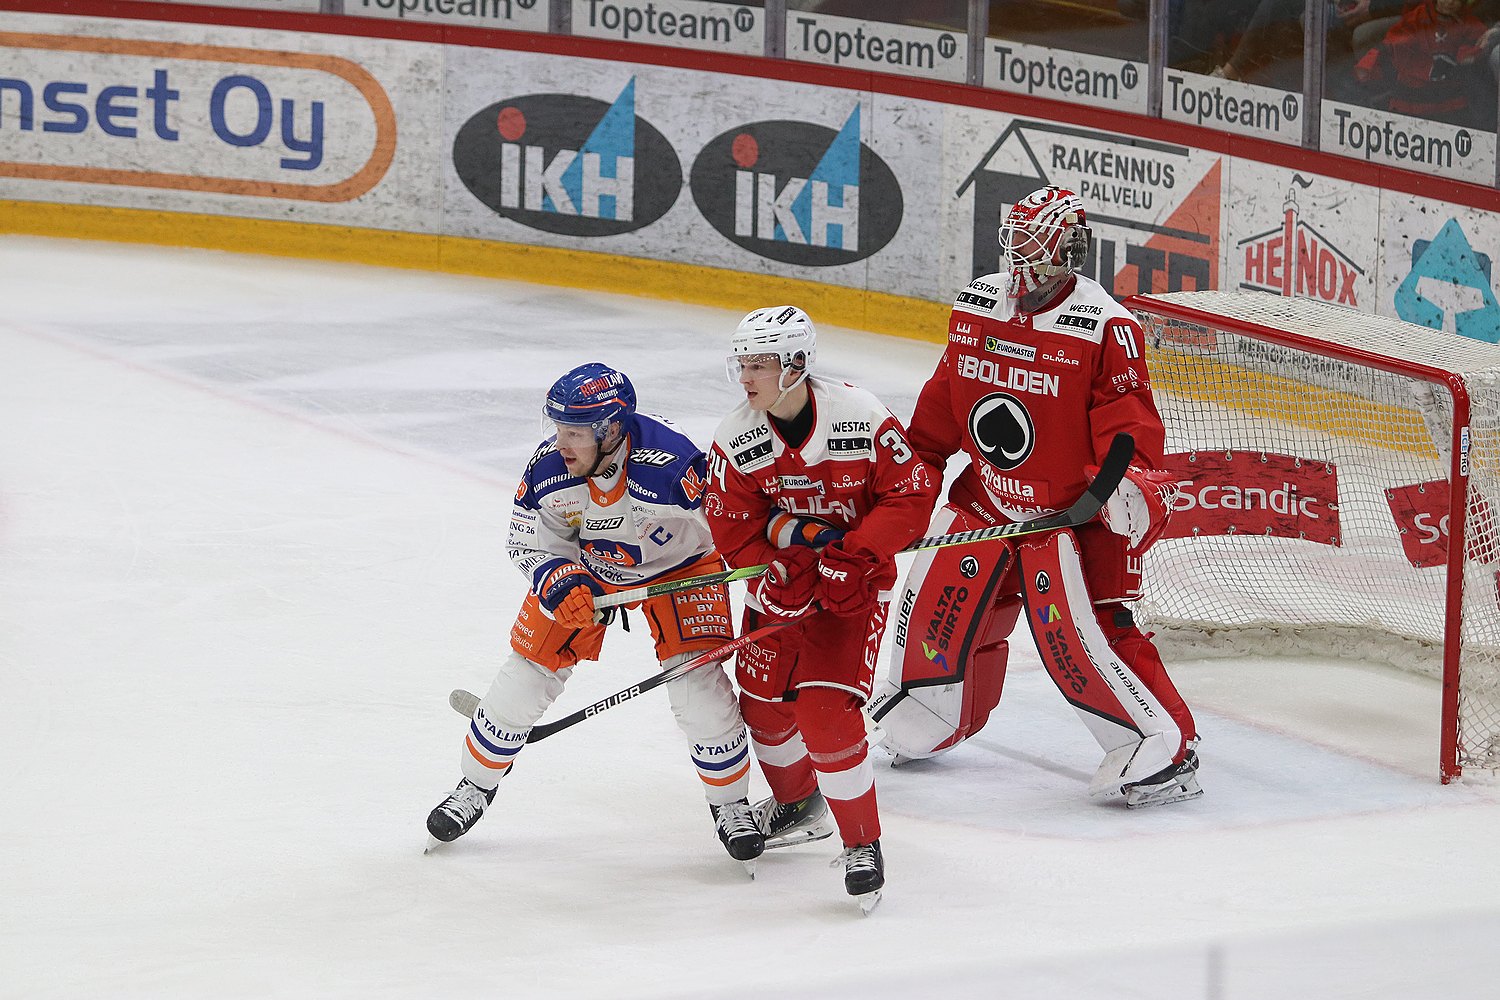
568, 595
1140, 507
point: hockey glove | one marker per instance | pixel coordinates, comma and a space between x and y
849, 582
785, 530
568, 595
785, 589
1141, 506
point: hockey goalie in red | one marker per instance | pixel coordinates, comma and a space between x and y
1042, 369
815, 478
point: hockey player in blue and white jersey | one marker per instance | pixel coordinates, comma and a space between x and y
611, 500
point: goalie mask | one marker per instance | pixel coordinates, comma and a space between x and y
783, 332
1044, 237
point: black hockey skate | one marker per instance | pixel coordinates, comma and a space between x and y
864, 873
457, 814
1174, 783
738, 832
788, 823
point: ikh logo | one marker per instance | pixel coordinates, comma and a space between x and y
1295, 259
567, 164
797, 192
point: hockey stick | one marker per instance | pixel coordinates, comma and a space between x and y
464, 702
1083, 510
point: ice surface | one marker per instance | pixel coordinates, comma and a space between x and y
252, 518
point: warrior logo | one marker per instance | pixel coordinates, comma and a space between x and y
530, 160
798, 193
1002, 430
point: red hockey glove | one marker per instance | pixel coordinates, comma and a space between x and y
786, 588
849, 583
1141, 506
568, 595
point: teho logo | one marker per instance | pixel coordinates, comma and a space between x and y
797, 192
568, 164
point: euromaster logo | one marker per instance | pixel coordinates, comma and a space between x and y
207, 118
797, 192
567, 164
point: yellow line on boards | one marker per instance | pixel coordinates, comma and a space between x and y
877, 312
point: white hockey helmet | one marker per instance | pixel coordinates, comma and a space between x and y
1046, 235
784, 332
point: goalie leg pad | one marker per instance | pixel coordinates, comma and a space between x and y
1120, 710
947, 664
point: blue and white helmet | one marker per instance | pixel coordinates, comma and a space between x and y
592, 395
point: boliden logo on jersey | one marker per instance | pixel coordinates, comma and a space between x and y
841, 511
1078, 322
568, 164
1021, 352
797, 192
1002, 430
1018, 379
651, 456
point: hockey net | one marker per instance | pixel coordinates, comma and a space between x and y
1341, 480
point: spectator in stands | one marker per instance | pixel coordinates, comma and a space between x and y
1427, 58
1275, 32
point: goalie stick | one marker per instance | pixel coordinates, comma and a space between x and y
1083, 510
464, 702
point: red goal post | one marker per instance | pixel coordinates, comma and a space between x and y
1341, 495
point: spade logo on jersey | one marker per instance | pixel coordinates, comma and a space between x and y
797, 192
1002, 430
568, 164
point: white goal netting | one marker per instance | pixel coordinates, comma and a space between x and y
1317, 444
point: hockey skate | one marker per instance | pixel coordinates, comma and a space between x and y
786, 824
457, 814
864, 873
1176, 783
739, 833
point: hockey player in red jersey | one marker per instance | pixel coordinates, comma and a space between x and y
610, 501
1043, 367
815, 478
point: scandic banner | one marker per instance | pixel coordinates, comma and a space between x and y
1254, 493
1421, 514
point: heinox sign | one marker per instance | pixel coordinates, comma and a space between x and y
568, 164
797, 192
